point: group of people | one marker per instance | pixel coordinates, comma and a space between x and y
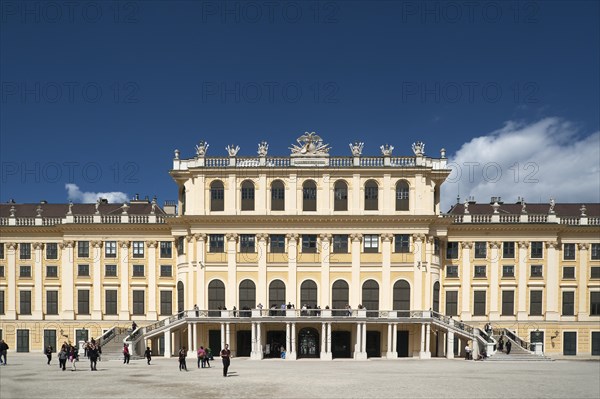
204, 357
502, 344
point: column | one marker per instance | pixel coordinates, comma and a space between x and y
465, 280
222, 335
449, 344
292, 193
290, 289
292, 351
325, 282
386, 269
422, 340
67, 284
38, 273
11, 289
253, 340
329, 353
97, 277
361, 333
231, 291
427, 354
287, 340
323, 340
124, 273
200, 270
390, 353
228, 334
357, 344
426, 267
395, 340
231, 195
363, 349
552, 282
418, 266
494, 273
355, 283
151, 313
522, 282
190, 338
259, 350
168, 350
582, 279
261, 287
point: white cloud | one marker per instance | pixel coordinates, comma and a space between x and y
548, 158
88, 197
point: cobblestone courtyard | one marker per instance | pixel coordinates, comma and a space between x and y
28, 376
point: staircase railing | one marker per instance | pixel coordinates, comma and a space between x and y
449, 321
521, 342
109, 335
133, 339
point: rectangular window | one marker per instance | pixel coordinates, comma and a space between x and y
309, 243
138, 270
371, 242
138, 302
479, 303
2, 302
138, 249
480, 271
595, 251
340, 243
166, 303
216, 243
569, 251
480, 250
110, 270
568, 303
25, 271
247, 243
451, 271
166, 249
508, 250
83, 301
595, 272
110, 249
537, 250
110, 298
25, 250
535, 303
51, 271
83, 249
1, 250
595, 303
452, 250
436, 246
568, 272
52, 250
508, 303
52, 302
402, 243
277, 243
536, 271
166, 271
25, 302
180, 245
451, 303
83, 270
1, 271
508, 270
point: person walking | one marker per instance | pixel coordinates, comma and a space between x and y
93, 354
226, 356
182, 354
126, 354
508, 347
62, 358
201, 357
148, 355
48, 353
73, 357
3, 350
209, 356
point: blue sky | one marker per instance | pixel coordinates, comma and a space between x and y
101, 93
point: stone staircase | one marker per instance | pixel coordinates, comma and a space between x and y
113, 349
517, 353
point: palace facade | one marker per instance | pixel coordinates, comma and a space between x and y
318, 255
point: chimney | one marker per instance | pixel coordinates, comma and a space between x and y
170, 207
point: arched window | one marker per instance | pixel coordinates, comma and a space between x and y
308, 294
339, 297
182, 201
277, 196
402, 195
436, 296
217, 196
276, 293
370, 297
247, 195
371, 195
340, 196
216, 297
309, 196
247, 297
180, 297
402, 298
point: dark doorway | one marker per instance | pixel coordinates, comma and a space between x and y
22, 340
341, 346
180, 297
456, 346
595, 343
275, 341
402, 341
81, 335
244, 343
373, 344
569, 343
537, 337
161, 345
214, 341
50, 339
308, 343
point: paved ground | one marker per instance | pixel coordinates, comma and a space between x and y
28, 376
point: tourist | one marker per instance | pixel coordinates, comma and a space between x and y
133, 326
48, 353
3, 349
501, 344
182, 355
467, 352
260, 308
226, 356
209, 356
508, 347
62, 358
93, 354
201, 355
73, 357
234, 311
197, 310
148, 355
126, 354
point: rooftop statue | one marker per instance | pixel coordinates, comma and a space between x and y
386, 150
263, 148
231, 150
419, 148
310, 144
356, 148
201, 148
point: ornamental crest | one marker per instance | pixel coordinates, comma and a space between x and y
310, 144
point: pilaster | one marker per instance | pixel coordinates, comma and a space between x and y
124, 273
11, 276
261, 289
552, 280
465, 280
97, 273
582, 279
356, 239
290, 292
231, 291
325, 255
494, 276
200, 271
151, 312
386, 269
418, 265
67, 283
522, 285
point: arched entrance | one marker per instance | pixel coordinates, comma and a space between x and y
180, 297
308, 343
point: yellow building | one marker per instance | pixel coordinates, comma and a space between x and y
317, 255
